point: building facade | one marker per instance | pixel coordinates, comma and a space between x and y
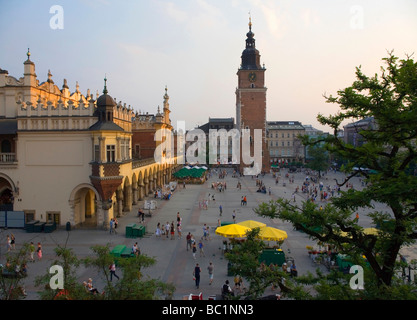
67, 157
283, 142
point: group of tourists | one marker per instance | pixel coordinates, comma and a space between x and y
167, 230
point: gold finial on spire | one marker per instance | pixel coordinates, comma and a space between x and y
28, 54
250, 21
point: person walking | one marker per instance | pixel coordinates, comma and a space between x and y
113, 271
39, 251
9, 243
12, 241
201, 247
158, 230
210, 269
194, 250
196, 274
234, 216
32, 251
221, 209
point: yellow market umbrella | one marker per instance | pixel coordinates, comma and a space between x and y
273, 234
373, 231
232, 231
368, 231
252, 224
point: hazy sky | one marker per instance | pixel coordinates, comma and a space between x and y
194, 47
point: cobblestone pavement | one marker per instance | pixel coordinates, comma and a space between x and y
174, 263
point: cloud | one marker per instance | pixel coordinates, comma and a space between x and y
277, 17
174, 12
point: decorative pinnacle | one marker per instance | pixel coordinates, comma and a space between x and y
105, 85
250, 22
28, 54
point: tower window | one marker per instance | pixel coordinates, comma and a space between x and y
252, 85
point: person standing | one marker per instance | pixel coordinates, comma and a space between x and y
113, 271
196, 273
172, 229
234, 216
188, 238
221, 210
115, 222
167, 227
179, 231
210, 269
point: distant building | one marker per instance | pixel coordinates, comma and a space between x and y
220, 125
352, 131
312, 133
284, 146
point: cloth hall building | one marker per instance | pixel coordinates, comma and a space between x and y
67, 157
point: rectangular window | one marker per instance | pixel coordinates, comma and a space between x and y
137, 151
125, 149
111, 153
96, 153
53, 216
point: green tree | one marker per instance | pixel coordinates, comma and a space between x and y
244, 260
132, 284
319, 158
388, 150
73, 289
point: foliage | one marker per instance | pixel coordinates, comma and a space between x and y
319, 158
132, 285
388, 150
244, 259
11, 274
73, 289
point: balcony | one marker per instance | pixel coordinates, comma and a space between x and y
8, 158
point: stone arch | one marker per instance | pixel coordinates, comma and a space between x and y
7, 192
85, 206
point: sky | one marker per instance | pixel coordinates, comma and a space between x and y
309, 48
